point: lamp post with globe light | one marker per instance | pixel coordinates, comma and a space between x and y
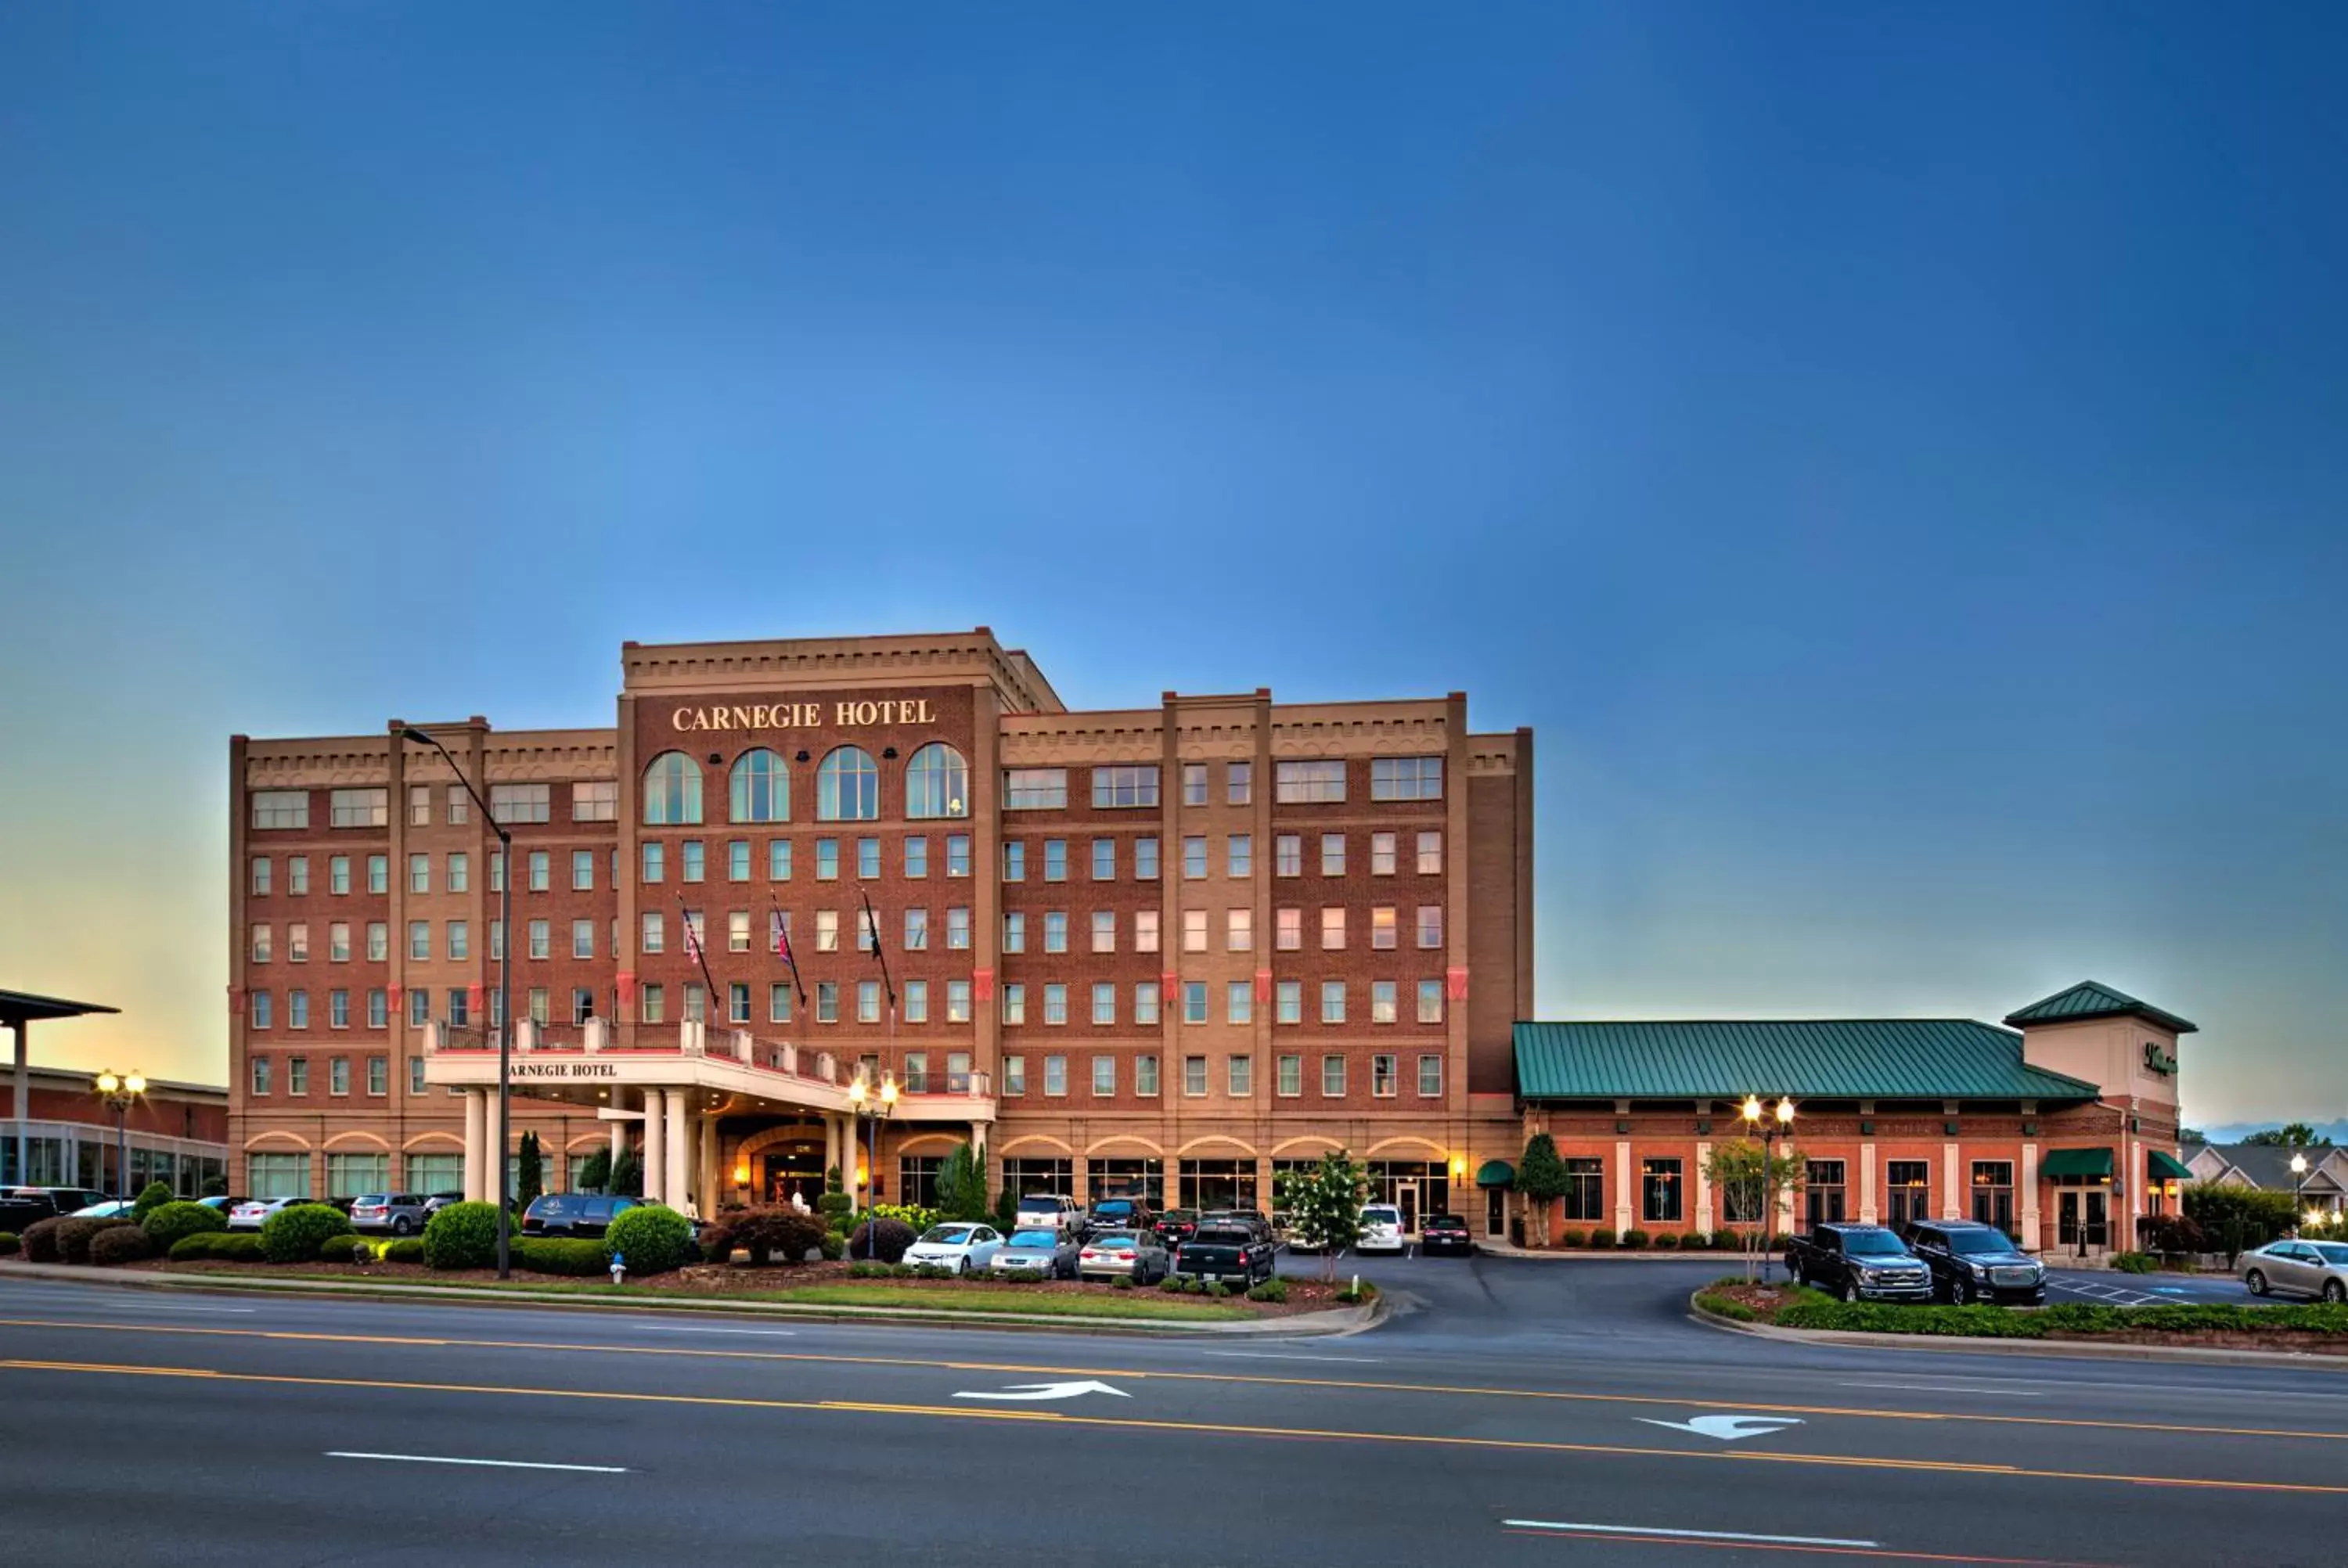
120, 1091
2298, 1184
1769, 1121
883, 1102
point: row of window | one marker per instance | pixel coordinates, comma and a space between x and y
846, 787
1239, 1076
1825, 1193
1293, 782
914, 999
264, 1078
592, 800
273, 1174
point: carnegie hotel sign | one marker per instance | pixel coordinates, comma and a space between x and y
846, 712
565, 1070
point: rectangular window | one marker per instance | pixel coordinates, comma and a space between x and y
917, 855
338, 1008
1430, 925
692, 861
1056, 1005
1288, 855
867, 1001
1992, 1193
1055, 1075
1194, 1075
778, 1003
378, 873
1824, 1193
297, 876
360, 808
1382, 1001
297, 1009
917, 930
1124, 786
1659, 1190
460, 1006
778, 860
1055, 931
1104, 859
1239, 1001
1287, 929
737, 860
1382, 928
1333, 931
1299, 784
958, 855
1055, 860
419, 874
277, 1176
655, 870
957, 1002
1239, 1076
1430, 853
1384, 1076
1333, 1078
654, 937
1014, 860
1194, 1002
420, 940
1910, 1192
415, 1075
1145, 1075
1145, 1003
1145, 858
1015, 1075
1332, 1001
1289, 1003
592, 800
1015, 1003
1430, 1077
1585, 1190
1333, 854
868, 858
827, 1001
1104, 1076
1104, 930
419, 1005
542, 870
459, 806
1194, 784
260, 1010
917, 1001
379, 941
260, 876
1194, 856
1240, 855
260, 944
737, 933
338, 1075
1289, 1080
826, 930
654, 1001
338, 942
519, 801
1406, 778
1239, 930
460, 943
1381, 855
1014, 931
460, 872
297, 942
1035, 789
1430, 1002
957, 929
281, 808
1239, 783
419, 806
1194, 930
541, 939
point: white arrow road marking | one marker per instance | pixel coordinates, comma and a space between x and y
1681, 1534
499, 1463
1049, 1391
1727, 1428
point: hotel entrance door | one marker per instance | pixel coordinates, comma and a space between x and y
2082, 1222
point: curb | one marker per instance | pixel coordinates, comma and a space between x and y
1609, 1254
2070, 1349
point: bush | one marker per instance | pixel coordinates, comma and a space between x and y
1274, 1289
867, 1271
1728, 1241
1356, 1294
296, 1232
1171, 1285
1022, 1276
835, 1246
580, 1257
2233, 1220
903, 1270
1667, 1242
1635, 1238
1193, 1285
1727, 1306
1215, 1288
883, 1239
913, 1215
1574, 1239
74, 1236
122, 1244
166, 1225
1601, 1240
1124, 1282
237, 1246
151, 1196
2135, 1262
39, 1241
8, 1244
2173, 1235
767, 1234
462, 1235
407, 1249
836, 1209
651, 1239
199, 1245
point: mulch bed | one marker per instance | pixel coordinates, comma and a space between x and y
1764, 1299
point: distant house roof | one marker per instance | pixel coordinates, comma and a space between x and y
2268, 1166
1834, 1058
24, 1007
2089, 999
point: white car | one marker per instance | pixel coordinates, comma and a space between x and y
250, 1214
957, 1246
114, 1208
1049, 1212
1381, 1229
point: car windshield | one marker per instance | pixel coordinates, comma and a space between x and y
1871, 1244
1044, 1239
948, 1236
1977, 1242
2332, 1252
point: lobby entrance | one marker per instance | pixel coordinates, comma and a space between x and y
790, 1163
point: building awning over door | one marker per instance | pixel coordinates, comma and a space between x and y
2161, 1167
1495, 1174
2091, 1163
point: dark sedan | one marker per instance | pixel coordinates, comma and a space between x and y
1445, 1233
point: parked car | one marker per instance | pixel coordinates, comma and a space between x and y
1049, 1211
1174, 1226
1971, 1262
1134, 1254
588, 1215
433, 1204
1859, 1262
1123, 1215
1381, 1229
956, 1245
1445, 1233
2318, 1268
71, 1200
112, 1208
1245, 1219
250, 1214
17, 1213
1052, 1251
1232, 1253
401, 1213
222, 1205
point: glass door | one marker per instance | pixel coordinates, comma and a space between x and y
1406, 1198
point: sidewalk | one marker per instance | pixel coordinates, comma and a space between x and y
1609, 1255
1304, 1325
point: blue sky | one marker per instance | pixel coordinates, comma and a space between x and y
1892, 457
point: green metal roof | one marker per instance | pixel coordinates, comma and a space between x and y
2089, 999
1834, 1058
2076, 1163
2167, 1167
1495, 1174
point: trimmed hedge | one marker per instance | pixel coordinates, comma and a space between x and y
9, 1243
885, 1239
1811, 1309
232, 1246
1573, 1240
653, 1238
2135, 1262
1601, 1241
462, 1235
167, 1225
295, 1233
1635, 1238
39, 1241
1666, 1242
74, 1234
346, 1248
581, 1257
1272, 1289
151, 1196
407, 1249
120, 1245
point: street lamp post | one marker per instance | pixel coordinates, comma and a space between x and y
505, 992
1769, 1121
120, 1091
2299, 1184
859, 1090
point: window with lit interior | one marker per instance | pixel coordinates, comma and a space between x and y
937, 783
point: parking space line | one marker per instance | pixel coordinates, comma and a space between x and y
496, 1464
1683, 1534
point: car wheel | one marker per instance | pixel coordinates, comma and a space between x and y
2255, 1283
962, 1266
2335, 1292
1849, 1290
401, 1226
1960, 1292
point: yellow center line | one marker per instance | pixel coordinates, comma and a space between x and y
1251, 1379
1214, 1429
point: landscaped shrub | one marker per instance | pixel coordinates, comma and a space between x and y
932, 1271
74, 1234
1666, 1242
462, 1235
191, 1246
407, 1249
835, 1246
1728, 1241
1635, 1238
766, 1234
237, 1246
1572, 1239
2135, 1262
122, 1244
1193, 1285
580, 1257
885, 1239
651, 1239
2171, 1235
867, 1271
1274, 1290
295, 1233
151, 1196
1601, 1240
903, 1270
346, 1249
1023, 1277
1218, 1289
913, 1215
8, 1244
1358, 1292
1124, 1282
1172, 1283
166, 1225
1727, 1306
837, 1209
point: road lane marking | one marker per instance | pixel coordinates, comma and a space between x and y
1882, 1554
1029, 1392
1932, 1388
497, 1464
1282, 1355
1727, 1428
1259, 1379
692, 1328
1213, 1429
1683, 1534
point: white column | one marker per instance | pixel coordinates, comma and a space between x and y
478, 1183
2031, 1240
1954, 1197
656, 1144
705, 1144
680, 1138
1867, 1211
1623, 1210
1702, 1215
618, 1141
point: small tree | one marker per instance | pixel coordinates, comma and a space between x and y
831, 1181
530, 1175
1751, 1180
151, 1196
1006, 1211
962, 1184
627, 1177
1541, 1180
2290, 1135
1324, 1206
595, 1175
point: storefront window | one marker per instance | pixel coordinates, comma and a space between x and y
1910, 1192
1125, 1179
1993, 1190
1659, 1190
1585, 1190
1218, 1184
1823, 1193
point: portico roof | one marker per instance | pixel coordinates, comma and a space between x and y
24, 1007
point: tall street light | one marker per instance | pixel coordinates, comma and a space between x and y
2299, 1182
1769, 1121
505, 992
859, 1090
120, 1091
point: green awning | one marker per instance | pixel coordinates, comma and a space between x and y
2167, 1167
2092, 1162
1495, 1174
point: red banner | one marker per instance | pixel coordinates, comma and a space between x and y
982, 984
395, 993
1263, 985
236, 1001
1169, 986
627, 988
1455, 984
473, 999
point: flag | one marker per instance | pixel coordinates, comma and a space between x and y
872, 926
778, 937
693, 945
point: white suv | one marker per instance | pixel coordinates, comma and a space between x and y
1381, 1229
1049, 1211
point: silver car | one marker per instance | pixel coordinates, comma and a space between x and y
1133, 1254
2317, 1268
1051, 1252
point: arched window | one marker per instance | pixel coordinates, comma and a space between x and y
937, 783
672, 791
848, 786
761, 789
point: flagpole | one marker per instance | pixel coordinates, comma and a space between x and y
889, 985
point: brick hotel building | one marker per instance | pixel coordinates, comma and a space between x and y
1172, 949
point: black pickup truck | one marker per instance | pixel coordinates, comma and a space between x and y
1225, 1253
1859, 1262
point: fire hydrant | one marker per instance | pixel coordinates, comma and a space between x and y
619, 1268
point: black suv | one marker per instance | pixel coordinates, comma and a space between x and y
1974, 1262
1858, 1263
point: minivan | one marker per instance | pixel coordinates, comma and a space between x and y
574, 1214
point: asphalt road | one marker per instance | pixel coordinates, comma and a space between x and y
1513, 1412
